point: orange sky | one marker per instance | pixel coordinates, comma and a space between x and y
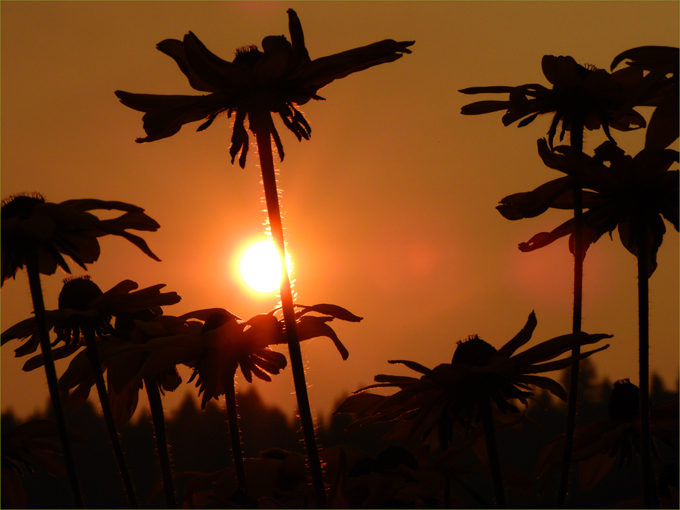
389, 209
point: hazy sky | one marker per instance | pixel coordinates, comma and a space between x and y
389, 209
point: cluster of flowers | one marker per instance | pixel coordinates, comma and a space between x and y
125, 333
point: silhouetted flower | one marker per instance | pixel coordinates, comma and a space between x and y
658, 87
256, 84
223, 342
82, 304
29, 224
477, 371
597, 446
620, 191
584, 95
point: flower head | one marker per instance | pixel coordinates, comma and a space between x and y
82, 305
633, 194
579, 95
255, 84
221, 342
451, 392
32, 225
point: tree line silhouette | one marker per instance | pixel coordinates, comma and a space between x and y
198, 442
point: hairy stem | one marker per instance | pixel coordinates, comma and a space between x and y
156, 405
272, 199
579, 255
234, 435
52, 381
492, 452
643, 331
93, 355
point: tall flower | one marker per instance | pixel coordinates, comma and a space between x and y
461, 392
581, 96
277, 79
221, 342
85, 310
634, 194
631, 194
254, 85
30, 224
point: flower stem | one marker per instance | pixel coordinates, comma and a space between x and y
234, 434
643, 331
263, 137
492, 451
93, 355
579, 255
52, 381
156, 405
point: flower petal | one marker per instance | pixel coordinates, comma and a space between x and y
175, 49
312, 327
322, 71
519, 339
554, 347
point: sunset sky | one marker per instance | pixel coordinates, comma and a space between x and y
389, 209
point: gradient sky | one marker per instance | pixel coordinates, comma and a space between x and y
389, 209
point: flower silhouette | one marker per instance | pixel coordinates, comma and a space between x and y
30, 224
659, 88
580, 95
222, 342
633, 194
451, 392
82, 305
597, 445
257, 83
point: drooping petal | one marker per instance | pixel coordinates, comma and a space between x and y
534, 203
547, 384
312, 327
545, 238
165, 115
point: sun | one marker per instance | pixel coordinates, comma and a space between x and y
260, 267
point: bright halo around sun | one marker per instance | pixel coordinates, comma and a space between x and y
260, 267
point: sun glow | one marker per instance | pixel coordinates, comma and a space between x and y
260, 267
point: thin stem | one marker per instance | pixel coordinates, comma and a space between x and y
52, 381
643, 324
263, 137
579, 255
93, 355
156, 405
492, 452
234, 435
